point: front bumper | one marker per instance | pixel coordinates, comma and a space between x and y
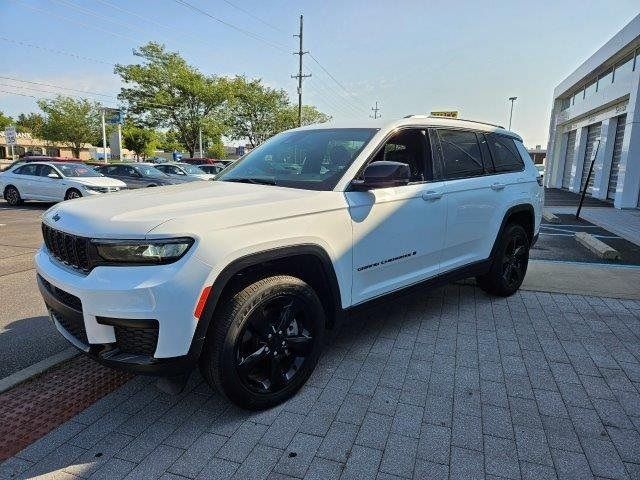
135, 318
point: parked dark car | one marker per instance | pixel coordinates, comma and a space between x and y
137, 175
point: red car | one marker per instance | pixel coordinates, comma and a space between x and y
41, 158
200, 161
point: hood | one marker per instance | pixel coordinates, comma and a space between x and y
97, 181
194, 206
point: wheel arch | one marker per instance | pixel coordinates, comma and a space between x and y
309, 262
523, 214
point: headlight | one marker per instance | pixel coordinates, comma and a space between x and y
101, 189
159, 251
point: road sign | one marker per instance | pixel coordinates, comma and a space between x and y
10, 136
113, 116
448, 114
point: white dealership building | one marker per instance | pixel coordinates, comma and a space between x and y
596, 116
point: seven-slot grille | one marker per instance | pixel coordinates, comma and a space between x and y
69, 249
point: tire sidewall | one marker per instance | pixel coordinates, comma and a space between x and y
70, 192
13, 203
229, 378
511, 231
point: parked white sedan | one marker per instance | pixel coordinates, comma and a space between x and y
54, 181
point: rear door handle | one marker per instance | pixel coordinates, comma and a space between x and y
497, 186
431, 195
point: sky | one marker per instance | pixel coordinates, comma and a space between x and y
409, 56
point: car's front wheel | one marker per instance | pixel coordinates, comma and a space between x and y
509, 265
12, 196
265, 342
72, 193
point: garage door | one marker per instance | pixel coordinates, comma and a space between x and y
568, 158
615, 162
593, 133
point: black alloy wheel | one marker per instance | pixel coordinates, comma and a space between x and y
72, 193
510, 261
276, 341
265, 341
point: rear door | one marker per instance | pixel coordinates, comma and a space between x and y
25, 180
474, 197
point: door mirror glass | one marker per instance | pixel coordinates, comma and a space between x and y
383, 174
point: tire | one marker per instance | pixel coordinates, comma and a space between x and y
12, 196
152, 185
509, 265
72, 193
265, 342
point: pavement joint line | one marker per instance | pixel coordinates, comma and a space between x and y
36, 369
19, 271
588, 264
18, 246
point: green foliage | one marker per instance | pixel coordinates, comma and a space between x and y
142, 141
5, 121
257, 112
168, 141
166, 92
70, 121
217, 150
30, 123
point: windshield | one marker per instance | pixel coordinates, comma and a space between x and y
77, 170
191, 169
309, 159
149, 171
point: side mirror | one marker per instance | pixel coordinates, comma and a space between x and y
53, 175
382, 174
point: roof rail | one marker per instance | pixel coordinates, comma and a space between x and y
460, 119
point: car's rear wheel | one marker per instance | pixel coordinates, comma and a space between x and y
265, 342
72, 193
509, 265
12, 196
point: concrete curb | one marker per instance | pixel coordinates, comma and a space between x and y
550, 217
36, 369
597, 246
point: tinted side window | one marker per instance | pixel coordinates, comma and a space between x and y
486, 154
29, 169
461, 154
505, 154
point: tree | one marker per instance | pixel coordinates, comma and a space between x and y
72, 122
217, 150
168, 141
142, 141
166, 92
30, 123
5, 121
257, 112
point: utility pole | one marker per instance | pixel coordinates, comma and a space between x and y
375, 111
200, 141
300, 76
104, 139
512, 100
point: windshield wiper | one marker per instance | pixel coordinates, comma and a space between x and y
256, 181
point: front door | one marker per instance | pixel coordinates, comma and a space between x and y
397, 231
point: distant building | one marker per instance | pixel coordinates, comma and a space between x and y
596, 115
27, 145
538, 154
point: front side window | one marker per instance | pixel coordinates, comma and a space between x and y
506, 157
308, 159
46, 170
149, 171
460, 154
409, 147
77, 170
191, 169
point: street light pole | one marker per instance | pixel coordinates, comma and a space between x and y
512, 100
104, 139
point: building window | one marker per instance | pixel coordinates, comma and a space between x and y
605, 79
577, 97
623, 69
590, 89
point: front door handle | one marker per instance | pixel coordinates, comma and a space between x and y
497, 186
431, 195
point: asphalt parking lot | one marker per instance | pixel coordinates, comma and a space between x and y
557, 242
26, 334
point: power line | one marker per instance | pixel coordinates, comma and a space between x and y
51, 50
45, 12
58, 86
93, 13
255, 17
255, 36
336, 81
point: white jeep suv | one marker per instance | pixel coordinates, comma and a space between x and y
244, 274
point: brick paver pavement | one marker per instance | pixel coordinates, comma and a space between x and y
446, 384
